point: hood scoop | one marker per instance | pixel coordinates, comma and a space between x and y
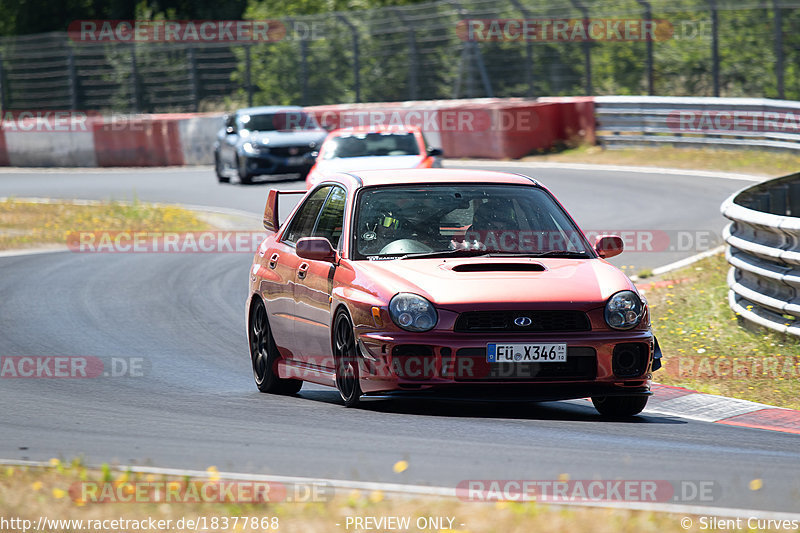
499, 267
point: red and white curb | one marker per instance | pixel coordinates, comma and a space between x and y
693, 405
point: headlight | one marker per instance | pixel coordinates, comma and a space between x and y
624, 310
251, 148
412, 312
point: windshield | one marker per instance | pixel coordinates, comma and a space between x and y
282, 121
370, 144
404, 221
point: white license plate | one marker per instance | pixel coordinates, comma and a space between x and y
526, 353
298, 160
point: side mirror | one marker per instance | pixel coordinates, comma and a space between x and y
311, 156
435, 152
229, 130
316, 249
608, 245
271, 211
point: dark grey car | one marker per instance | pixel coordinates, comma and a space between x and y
266, 140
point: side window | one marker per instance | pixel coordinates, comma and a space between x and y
332, 217
303, 222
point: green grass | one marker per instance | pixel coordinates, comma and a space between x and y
757, 162
705, 346
27, 224
31, 492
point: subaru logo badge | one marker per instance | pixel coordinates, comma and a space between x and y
523, 321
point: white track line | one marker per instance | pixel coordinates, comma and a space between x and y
444, 492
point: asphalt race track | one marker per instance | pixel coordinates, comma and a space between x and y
195, 404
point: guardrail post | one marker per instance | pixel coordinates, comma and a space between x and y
778, 38
587, 48
778, 197
356, 56
712, 4
248, 85
648, 17
794, 199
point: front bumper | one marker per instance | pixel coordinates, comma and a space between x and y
453, 362
275, 164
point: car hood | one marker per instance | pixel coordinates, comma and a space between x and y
459, 284
286, 138
374, 162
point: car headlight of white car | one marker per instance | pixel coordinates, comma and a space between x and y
624, 310
254, 149
412, 312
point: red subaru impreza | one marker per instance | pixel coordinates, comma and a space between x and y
454, 282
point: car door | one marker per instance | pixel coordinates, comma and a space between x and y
312, 290
283, 261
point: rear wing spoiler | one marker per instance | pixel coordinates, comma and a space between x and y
272, 218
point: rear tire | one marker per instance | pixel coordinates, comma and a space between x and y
218, 170
619, 406
264, 354
345, 356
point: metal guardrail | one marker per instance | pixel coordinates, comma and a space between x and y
624, 121
764, 253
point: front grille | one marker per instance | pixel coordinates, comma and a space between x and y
290, 151
581, 364
540, 321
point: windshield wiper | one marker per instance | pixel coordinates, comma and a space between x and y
576, 254
465, 252
458, 252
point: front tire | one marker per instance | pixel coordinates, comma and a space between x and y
264, 354
619, 406
346, 358
241, 169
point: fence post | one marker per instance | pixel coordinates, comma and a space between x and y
356, 57
587, 48
73, 79
528, 71
648, 17
714, 45
413, 58
304, 71
137, 93
778, 32
2, 87
248, 85
194, 89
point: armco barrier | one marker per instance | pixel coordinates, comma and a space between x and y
764, 253
624, 121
